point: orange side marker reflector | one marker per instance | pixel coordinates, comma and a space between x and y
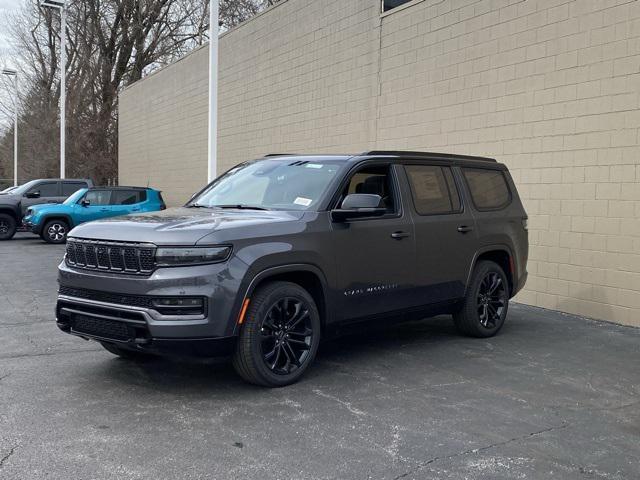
243, 312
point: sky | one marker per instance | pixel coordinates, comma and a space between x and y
6, 6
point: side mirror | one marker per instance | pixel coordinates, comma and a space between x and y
32, 195
85, 202
359, 205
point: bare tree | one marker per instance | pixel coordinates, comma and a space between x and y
110, 44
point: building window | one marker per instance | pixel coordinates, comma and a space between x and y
391, 4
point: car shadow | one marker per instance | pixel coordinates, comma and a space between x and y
205, 377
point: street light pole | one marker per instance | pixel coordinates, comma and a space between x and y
214, 29
14, 74
60, 5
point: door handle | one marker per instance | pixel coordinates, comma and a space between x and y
399, 235
464, 228
104, 209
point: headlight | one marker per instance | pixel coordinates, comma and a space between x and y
176, 256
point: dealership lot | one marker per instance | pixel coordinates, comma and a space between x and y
552, 396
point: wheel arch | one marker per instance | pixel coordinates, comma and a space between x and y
308, 276
11, 212
500, 254
58, 216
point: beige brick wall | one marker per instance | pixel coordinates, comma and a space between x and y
549, 87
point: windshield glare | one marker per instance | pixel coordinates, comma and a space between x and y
274, 184
24, 188
75, 197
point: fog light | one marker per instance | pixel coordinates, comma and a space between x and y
179, 305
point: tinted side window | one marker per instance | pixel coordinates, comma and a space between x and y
489, 189
48, 189
126, 197
433, 189
98, 197
69, 188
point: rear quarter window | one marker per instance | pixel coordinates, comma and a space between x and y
489, 188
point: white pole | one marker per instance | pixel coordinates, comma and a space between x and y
15, 134
214, 28
63, 88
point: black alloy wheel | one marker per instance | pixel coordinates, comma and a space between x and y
287, 336
279, 335
492, 300
7, 226
486, 302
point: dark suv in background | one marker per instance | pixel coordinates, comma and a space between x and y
14, 204
281, 251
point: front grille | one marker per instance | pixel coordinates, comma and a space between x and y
100, 327
131, 300
129, 258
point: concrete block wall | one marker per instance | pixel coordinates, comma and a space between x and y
549, 87
552, 89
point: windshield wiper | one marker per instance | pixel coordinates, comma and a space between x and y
197, 205
241, 207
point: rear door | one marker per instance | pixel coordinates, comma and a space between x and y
374, 256
445, 231
124, 202
71, 187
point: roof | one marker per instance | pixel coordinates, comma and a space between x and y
391, 154
120, 187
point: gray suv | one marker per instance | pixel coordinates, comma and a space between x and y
281, 251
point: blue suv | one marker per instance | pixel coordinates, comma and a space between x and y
53, 222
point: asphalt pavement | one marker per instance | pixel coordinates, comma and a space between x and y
552, 396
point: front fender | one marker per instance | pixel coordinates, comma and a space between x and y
257, 274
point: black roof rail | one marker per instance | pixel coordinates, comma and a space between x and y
432, 155
282, 155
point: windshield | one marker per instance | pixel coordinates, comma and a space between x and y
75, 197
273, 184
20, 190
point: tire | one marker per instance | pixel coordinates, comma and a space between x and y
7, 226
124, 353
55, 231
486, 302
282, 319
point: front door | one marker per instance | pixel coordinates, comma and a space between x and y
374, 256
43, 192
96, 204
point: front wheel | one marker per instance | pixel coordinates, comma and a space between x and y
279, 337
7, 226
486, 302
55, 231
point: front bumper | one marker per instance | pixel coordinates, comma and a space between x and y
31, 227
134, 325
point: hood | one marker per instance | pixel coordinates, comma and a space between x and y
10, 199
47, 208
185, 226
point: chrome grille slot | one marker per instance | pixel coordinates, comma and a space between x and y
129, 258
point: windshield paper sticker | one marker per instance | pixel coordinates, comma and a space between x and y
303, 201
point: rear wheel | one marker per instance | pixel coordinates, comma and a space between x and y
486, 303
7, 226
279, 337
124, 353
55, 231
